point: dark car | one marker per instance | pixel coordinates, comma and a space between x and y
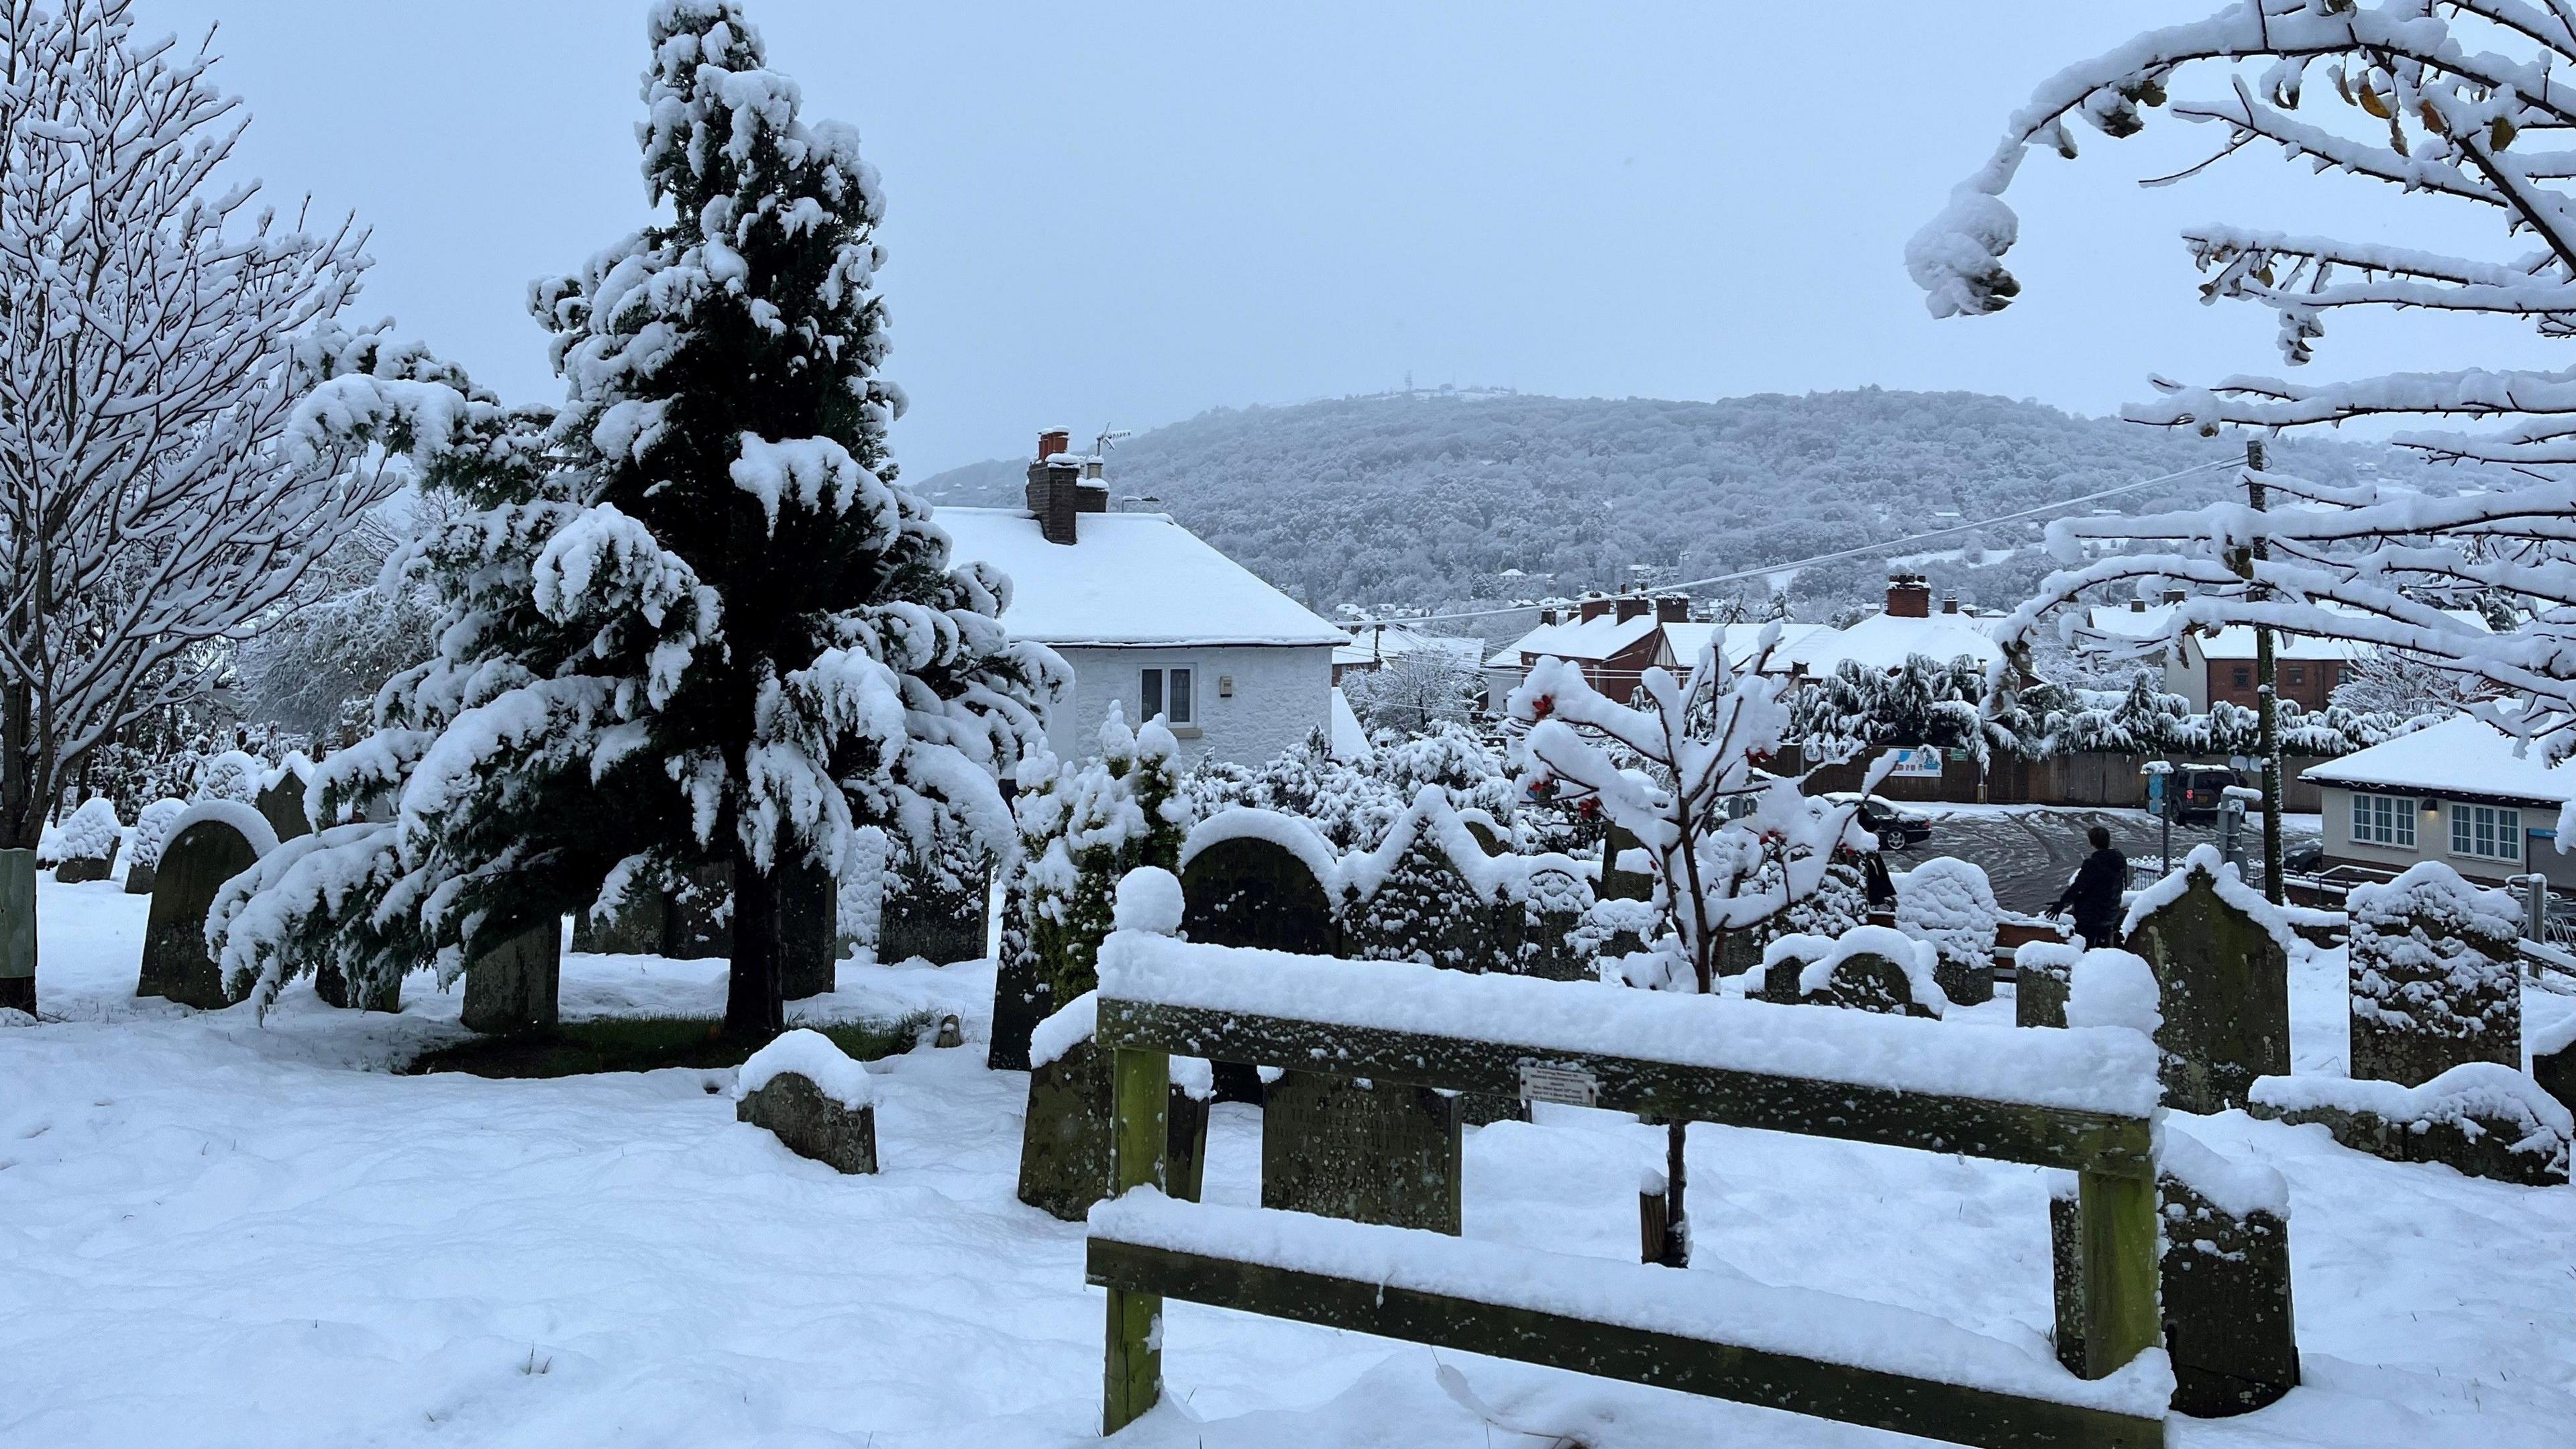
2306, 857
2195, 790
1895, 829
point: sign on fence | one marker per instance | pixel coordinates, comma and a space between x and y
1922, 762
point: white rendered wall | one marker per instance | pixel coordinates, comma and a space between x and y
1281, 694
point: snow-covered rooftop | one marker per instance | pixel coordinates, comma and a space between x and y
1578, 639
1886, 641
1379, 643
2236, 641
2460, 756
1132, 579
1684, 641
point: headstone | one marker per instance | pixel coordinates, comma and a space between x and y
1185, 1121
2435, 976
282, 804
1021, 998
698, 921
1253, 892
2553, 1061
810, 1124
79, 868
139, 879
194, 866
809, 945
1949, 903
2043, 972
333, 988
636, 928
1064, 1140
18, 931
1422, 910
2223, 984
1351, 1149
2224, 1286
2480, 1118
934, 907
1617, 884
1543, 935
1867, 980
512, 986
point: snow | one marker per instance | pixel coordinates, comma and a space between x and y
1949, 903
1819, 956
2107, 1071
1374, 644
811, 1055
2552, 1038
2460, 756
1886, 641
92, 831
1350, 741
1068, 1025
2113, 988
2485, 1089
1684, 641
152, 831
308, 1251
1133, 579
1589, 640
253, 825
1492, 877
1630, 1295
1149, 899
2234, 1186
2205, 861
1289, 832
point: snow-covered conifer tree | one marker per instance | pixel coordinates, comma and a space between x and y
690, 619
1081, 832
2465, 103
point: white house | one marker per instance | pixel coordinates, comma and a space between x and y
2454, 792
1374, 646
1907, 628
1149, 615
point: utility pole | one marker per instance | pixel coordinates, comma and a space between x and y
2266, 695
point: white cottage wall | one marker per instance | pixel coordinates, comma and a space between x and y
1280, 693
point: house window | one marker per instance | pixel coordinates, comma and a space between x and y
2244, 677
2383, 820
2298, 675
2486, 832
1172, 693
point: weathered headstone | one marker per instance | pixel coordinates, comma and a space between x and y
2553, 1061
935, 906
1549, 941
819, 1103
18, 931
1870, 968
1065, 1137
1185, 1128
2042, 971
333, 987
209, 851
512, 986
1618, 884
2223, 979
809, 910
282, 805
1367, 1152
697, 923
1252, 891
2480, 1118
2224, 1286
2435, 979
78, 868
636, 928
1419, 907
139, 879
1949, 903
151, 833
1021, 996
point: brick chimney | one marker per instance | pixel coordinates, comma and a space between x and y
1908, 597
1592, 606
2137, 606
1672, 608
1055, 488
2174, 596
1633, 606
1949, 603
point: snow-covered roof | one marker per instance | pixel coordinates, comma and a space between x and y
1133, 579
1350, 742
1886, 641
2236, 641
1684, 641
1579, 639
2460, 756
1378, 643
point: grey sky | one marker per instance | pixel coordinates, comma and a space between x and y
1125, 214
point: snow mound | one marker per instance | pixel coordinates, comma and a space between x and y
2432, 892
1077, 1020
811, 1055
2471, 1089
152, 831
91, 833
1288, 832
1149, 899
1950, 903
1195, 1076
1817, 956
2111, 987
2238, 1189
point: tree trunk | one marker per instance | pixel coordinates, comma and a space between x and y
755, 1009
1676, 1219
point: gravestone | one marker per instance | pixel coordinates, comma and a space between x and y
1253, 892
1949, 903
194, 866
79, 868
282, 805
2043, 972
2483, 1119
1064, 1139
1021, 995
697, 922
151, 832
333, 987
810, 1124
809, 907
1423, 910
2435, 976
936, 908
18, 931
513, 985
1543, 935
2223, 983
636, 928
1368, 1153
1185, 1121
1862, 979
2553, 1061
2224, 1287
1617, 884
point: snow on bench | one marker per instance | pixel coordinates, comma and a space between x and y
2102, 1069
1705, 1306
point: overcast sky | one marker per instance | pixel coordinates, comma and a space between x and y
1125, 214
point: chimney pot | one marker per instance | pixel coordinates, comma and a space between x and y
2137, 606
1592, 606
1054, 441
1949, 603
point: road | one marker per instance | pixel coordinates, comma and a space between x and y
2029, 854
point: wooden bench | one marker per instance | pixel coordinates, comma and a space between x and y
1702, 1332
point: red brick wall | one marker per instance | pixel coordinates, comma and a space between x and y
2306, 682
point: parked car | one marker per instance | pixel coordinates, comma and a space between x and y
2304, 857
2197, 789
1896, 829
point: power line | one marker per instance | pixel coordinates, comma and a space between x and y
1841, 553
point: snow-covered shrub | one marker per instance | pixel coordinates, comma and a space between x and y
2435, 979
1080, 833
91, 833
231, 775
1949, 903
152, 833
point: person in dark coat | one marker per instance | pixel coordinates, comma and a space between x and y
2094, 894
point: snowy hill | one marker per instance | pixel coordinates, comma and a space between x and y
1426, 498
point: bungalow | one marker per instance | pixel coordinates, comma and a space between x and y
2456, 792
1151, 617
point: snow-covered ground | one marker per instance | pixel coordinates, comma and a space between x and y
214, 1232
